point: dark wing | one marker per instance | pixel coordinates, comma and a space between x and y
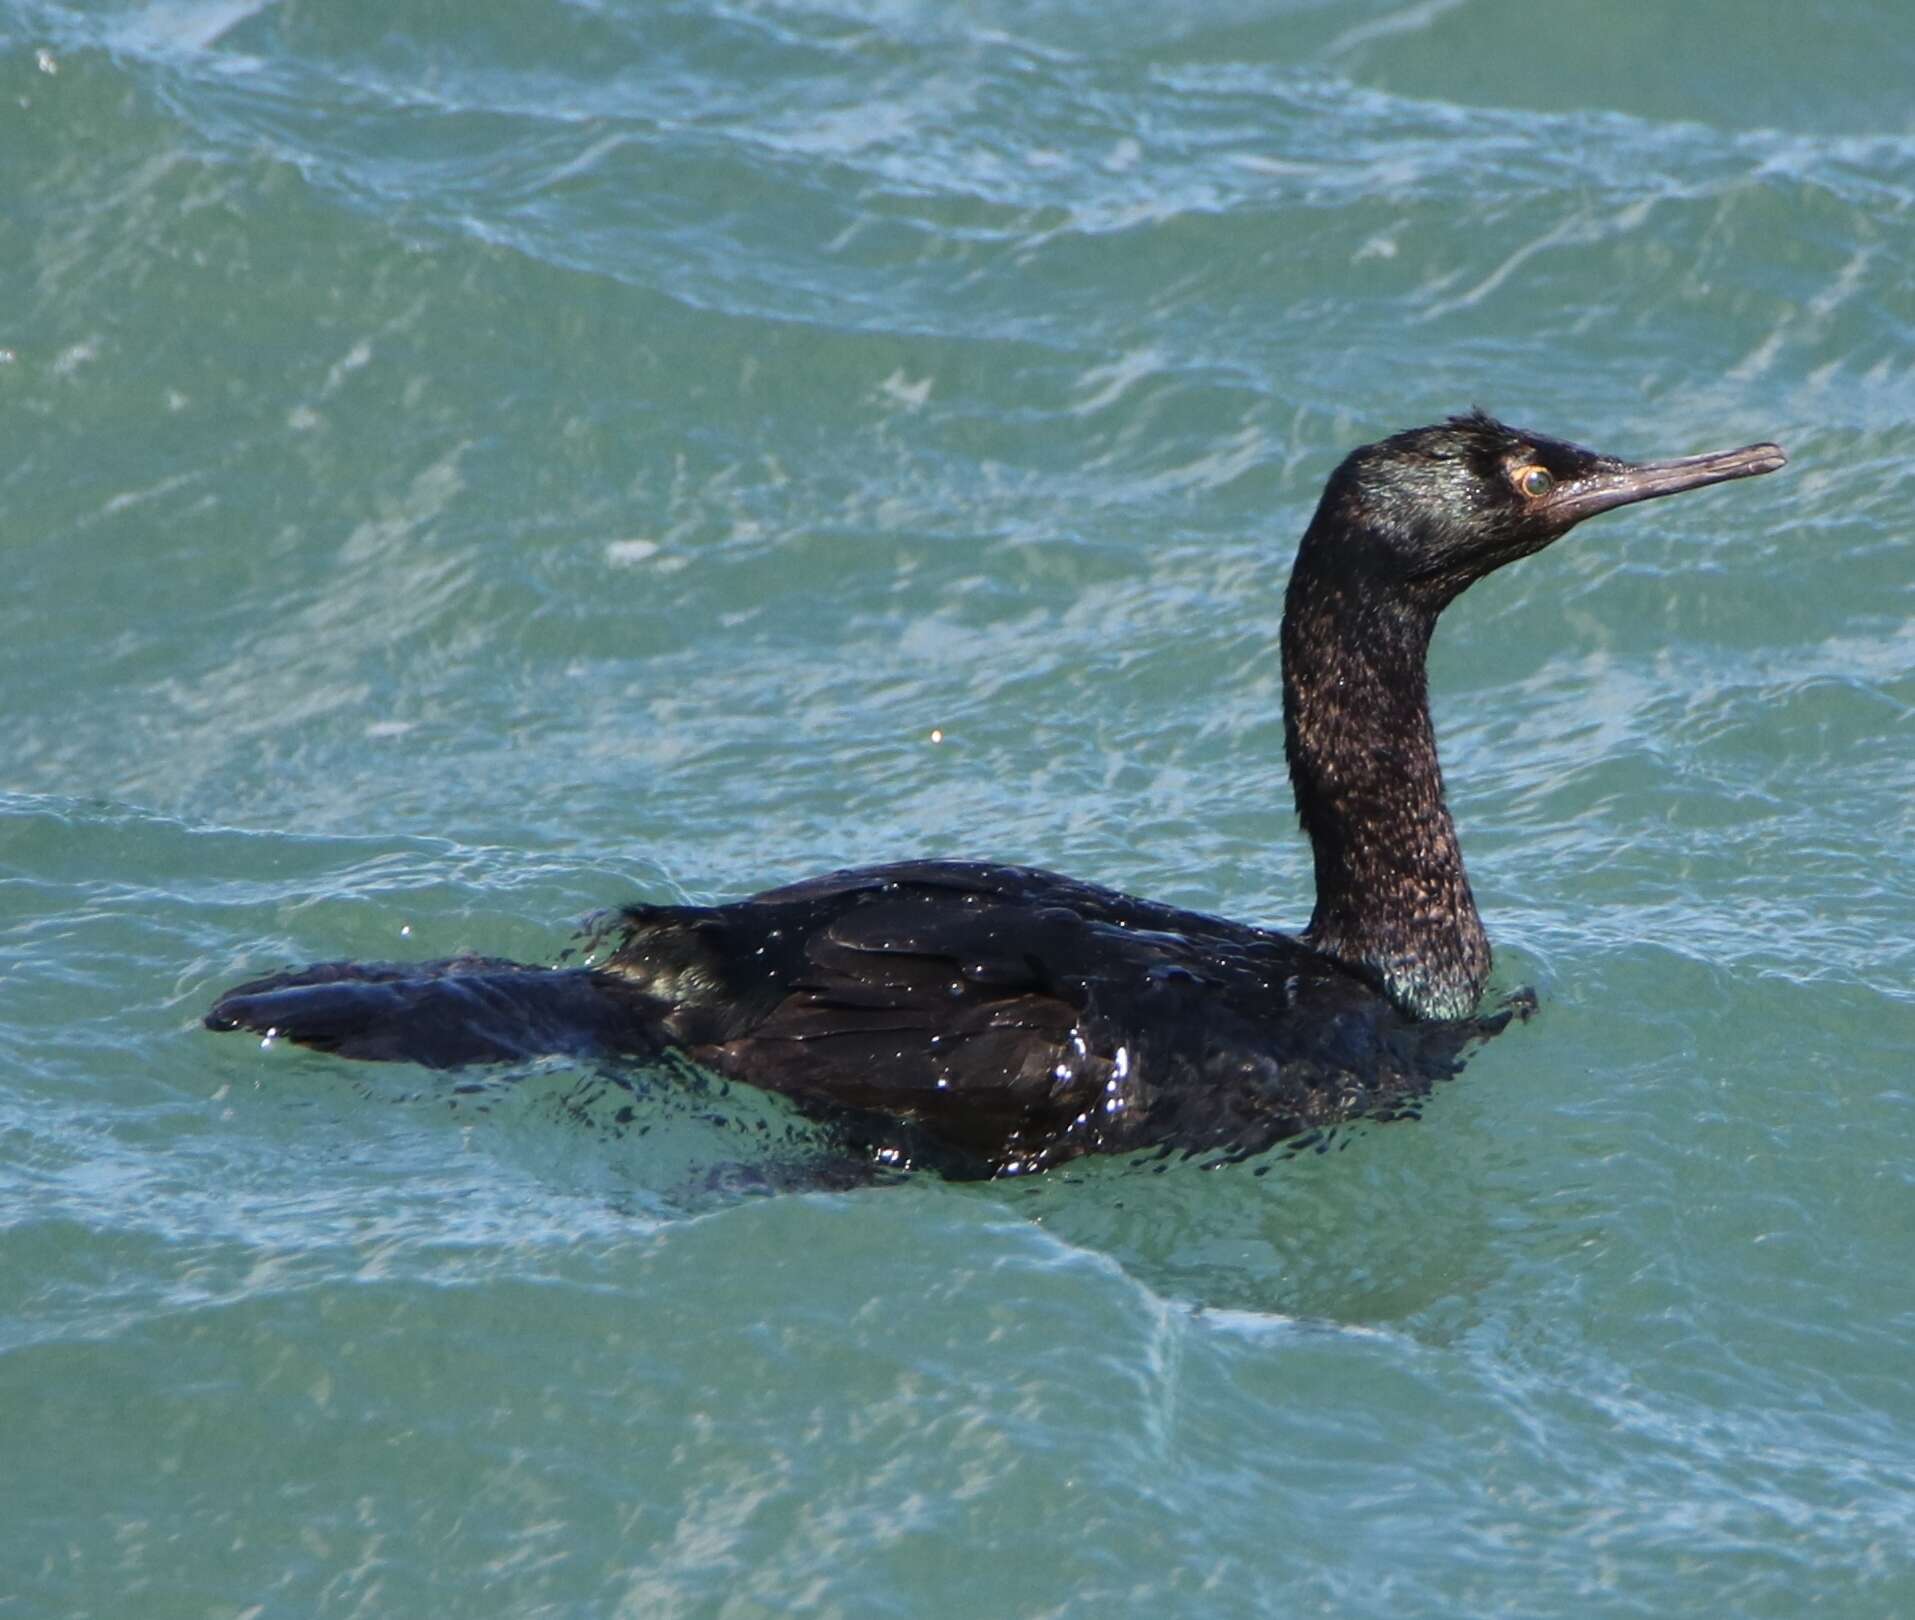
930, 1003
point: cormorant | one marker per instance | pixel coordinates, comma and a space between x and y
992, 1020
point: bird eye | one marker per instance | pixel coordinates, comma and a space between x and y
1534, 481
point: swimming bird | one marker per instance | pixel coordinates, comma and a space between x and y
987, 1019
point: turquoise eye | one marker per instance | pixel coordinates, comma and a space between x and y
1535, 481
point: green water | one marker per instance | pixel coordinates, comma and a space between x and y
469, 465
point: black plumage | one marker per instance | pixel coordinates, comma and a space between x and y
994, 1019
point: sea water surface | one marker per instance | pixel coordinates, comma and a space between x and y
468, 465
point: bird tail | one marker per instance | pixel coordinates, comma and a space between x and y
443, 1015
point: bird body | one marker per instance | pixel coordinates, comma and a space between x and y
982, 1018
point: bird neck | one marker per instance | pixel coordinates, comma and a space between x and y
1392, 896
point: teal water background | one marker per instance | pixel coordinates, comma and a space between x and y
466, 465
